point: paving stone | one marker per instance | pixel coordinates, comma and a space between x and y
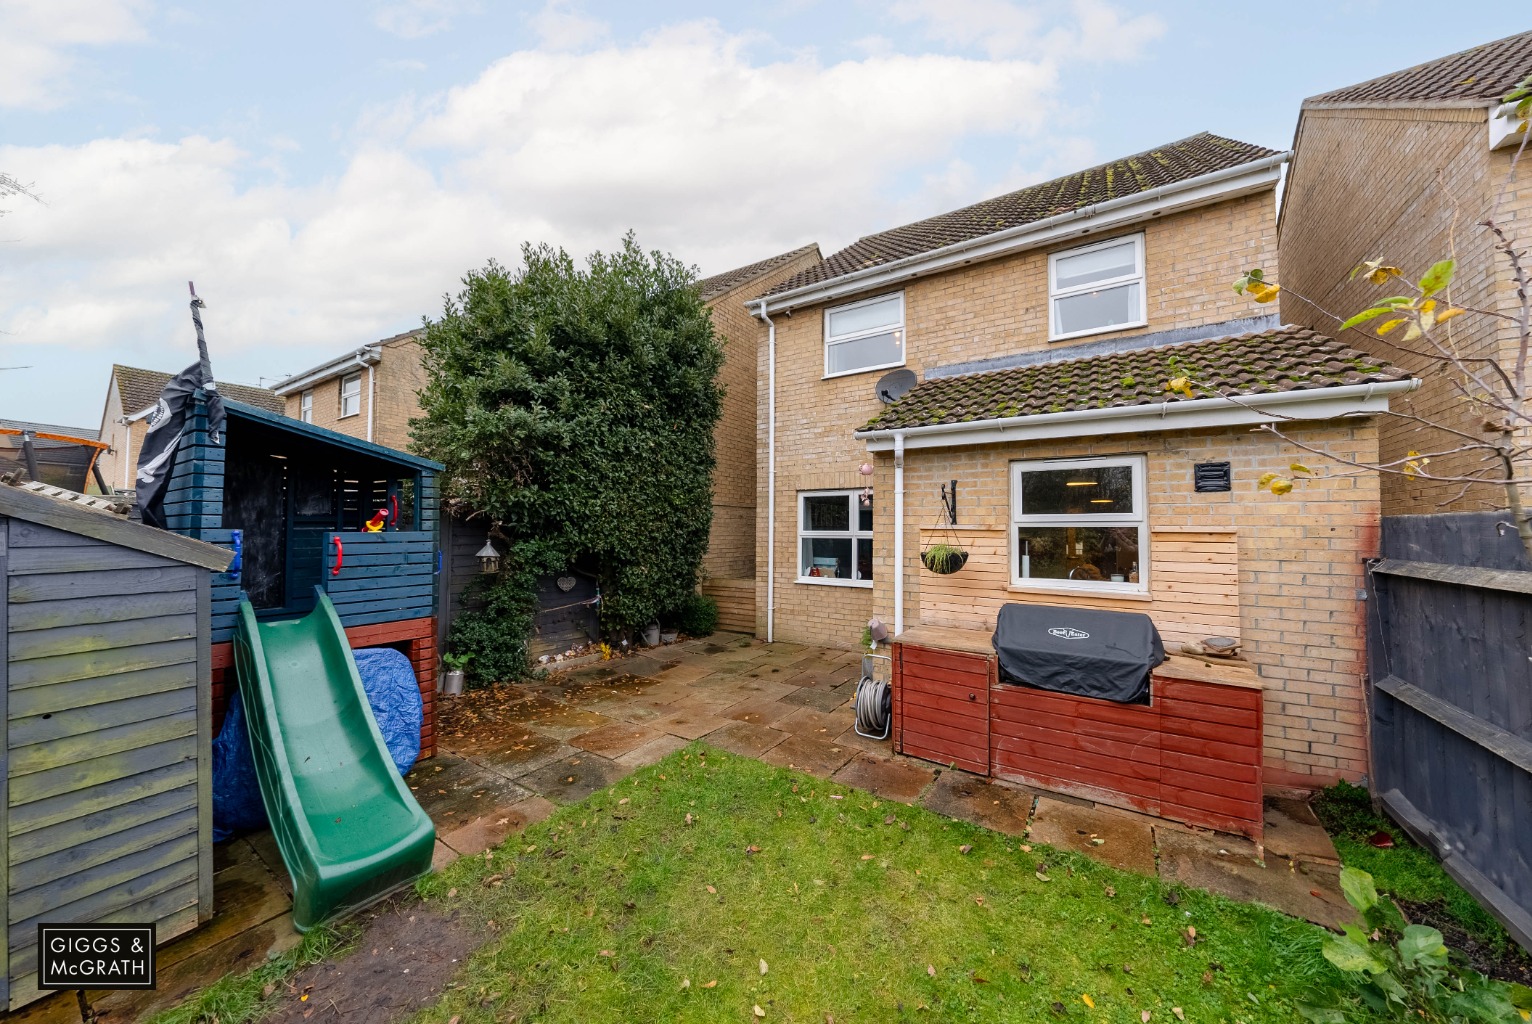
491, 830
454, 790
820, 699
649, 753
615, 739
878, 748
817, 757
635, 713
526, 752
745, 738
766, 689
689, 724
58, 1008
995, 805
1127, 840
893, 779
442, 855
812, 724
760, 711
686, 671
1294, 833
570, 779
1226, 865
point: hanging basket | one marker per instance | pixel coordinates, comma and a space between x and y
944, 559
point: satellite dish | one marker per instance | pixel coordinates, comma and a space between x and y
895, 384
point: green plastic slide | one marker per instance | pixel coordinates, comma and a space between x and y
347, 826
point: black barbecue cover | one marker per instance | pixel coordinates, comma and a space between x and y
1081, 651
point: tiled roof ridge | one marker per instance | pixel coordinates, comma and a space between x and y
715, 285
1483, 72
138, 378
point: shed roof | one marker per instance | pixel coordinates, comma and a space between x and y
140, 388
1479, 74
237, 409
60, 513
1267, 362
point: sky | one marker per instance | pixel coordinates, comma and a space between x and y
327, 172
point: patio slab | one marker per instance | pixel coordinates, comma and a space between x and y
1124, 841
649, 753
526, 752
1226, 865
689, 724
811, 724
454, 790
995, 805
817, 757
491, 830
745, 738
1294, 833
571, 779
819, 698
616, 739
760, 711
889, 778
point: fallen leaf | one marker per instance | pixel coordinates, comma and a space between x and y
1088, 1001
455, 1019
1380, 839
1025, 848
1145, 920
867, 856
712, 890
688, 817
1180, 1014
889, 820
1191, 931
622, 801
710, 984
1097, 842
1043, 878
979, 900
606, 952
752, 849
451, 892
303, 998
686, 983
836, 796
965, 848
758, 1011
1059, 1008
980, 981
931, 970
763, 966
1145, 1016
1110, 892
1207, 978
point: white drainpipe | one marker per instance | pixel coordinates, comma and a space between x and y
371, 396
898, 532
127, 455
771, 472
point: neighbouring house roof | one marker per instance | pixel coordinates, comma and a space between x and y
1480, 74
140, 389
721, 284
1284, 359
1175, 162
346, 362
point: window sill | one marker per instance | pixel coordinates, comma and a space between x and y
1135, 325
348, 416
863, 369
830, 581
1107, 593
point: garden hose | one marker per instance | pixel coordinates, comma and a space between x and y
874, 708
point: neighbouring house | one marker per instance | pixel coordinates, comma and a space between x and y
728, 567
1025, 344
131, 395
370, 393
1405, 168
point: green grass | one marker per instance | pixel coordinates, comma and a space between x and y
604, 913
1406, 871
240, 998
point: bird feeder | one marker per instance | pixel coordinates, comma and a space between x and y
489, 559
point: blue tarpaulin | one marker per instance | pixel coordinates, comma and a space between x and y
394, 695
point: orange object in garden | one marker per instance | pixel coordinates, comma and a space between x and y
376, 523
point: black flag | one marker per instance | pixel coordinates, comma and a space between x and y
169, 423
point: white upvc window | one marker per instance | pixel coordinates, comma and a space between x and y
351, 395
1097, 288
865, 335
306, 406
835, 538
1080, 524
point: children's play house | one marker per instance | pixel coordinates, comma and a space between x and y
298, 502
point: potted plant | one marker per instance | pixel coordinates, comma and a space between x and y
452, 679
944, 559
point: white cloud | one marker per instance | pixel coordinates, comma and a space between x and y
560, 27
414, 19
1003, 28
38, 39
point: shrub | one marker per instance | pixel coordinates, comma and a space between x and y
697, 615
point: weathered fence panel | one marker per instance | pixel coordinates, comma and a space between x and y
1450, 658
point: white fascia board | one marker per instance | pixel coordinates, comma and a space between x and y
367, 355
1114, 213
1197, 414
1504, 127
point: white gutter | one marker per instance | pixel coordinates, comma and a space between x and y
771, 472
1504, 126
367, 355
898, 532
1198, 191
1198, 413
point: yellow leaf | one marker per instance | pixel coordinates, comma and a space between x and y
1281, 485
1088, 1001
1183, 385
1265, 479
1260, 291
1414, 463
710, 984
1412, 332
1389, 325
1299, 467
1448, 314
1428, 306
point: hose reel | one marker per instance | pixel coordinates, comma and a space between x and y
875, 698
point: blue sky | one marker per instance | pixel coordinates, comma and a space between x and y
326, 172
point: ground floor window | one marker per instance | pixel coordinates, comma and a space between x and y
835, 537
1080, 523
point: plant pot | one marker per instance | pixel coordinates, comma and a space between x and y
669, 636
452, 682
652, 635
952, 565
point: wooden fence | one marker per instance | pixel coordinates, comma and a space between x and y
1450, 659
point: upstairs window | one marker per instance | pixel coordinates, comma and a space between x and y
306, 406
835, 538
1096, 288
1080, 523
866, 335
351, 395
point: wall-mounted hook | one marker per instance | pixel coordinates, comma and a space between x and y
949, 502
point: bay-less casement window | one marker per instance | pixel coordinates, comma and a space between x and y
835, 538
1080, 523
866, 335
306, 406
351, 395
1096, 288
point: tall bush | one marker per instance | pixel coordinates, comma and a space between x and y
574, 407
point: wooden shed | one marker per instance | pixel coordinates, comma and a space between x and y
104, 670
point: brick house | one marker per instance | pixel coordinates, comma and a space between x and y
1404, 168
369, 393
131, 395
1034, 334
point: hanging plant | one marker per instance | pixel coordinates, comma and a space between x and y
944, 559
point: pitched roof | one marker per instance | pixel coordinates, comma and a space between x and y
1482, 73
720, 284
140, 389
1164, 165
1266, 362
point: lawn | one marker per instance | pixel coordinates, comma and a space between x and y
712, 887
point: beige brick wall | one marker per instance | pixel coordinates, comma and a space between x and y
731, 544
977, 312
393, 397
1300, 565
1409, 186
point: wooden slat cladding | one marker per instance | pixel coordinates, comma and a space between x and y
1193, 585
104, 697
943, 699
736, 603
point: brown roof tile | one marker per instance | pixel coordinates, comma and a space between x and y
720, 284
1189, 158
1267, 362
140, 389
1483, 73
